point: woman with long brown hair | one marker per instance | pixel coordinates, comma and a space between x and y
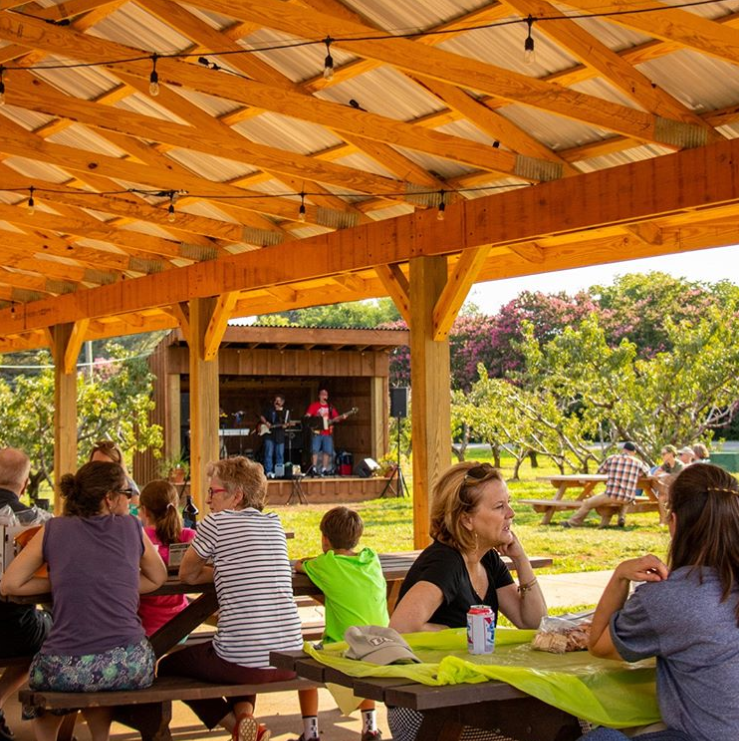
685, 613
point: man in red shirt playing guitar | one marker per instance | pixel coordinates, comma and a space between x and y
322, 418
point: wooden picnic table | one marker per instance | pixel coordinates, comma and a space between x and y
585, 483
492, 705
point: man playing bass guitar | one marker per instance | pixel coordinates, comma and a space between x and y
322, 418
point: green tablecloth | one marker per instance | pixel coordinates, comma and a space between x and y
604, 692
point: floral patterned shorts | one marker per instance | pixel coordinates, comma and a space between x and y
122, 668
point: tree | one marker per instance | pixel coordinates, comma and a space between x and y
369, 313
114, 403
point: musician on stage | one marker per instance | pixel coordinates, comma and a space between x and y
275, 418
322, 416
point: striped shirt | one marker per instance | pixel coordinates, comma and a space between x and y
623, 472
253, 582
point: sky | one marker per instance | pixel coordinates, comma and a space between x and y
721, 263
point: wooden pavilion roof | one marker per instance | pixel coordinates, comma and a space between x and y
616, 142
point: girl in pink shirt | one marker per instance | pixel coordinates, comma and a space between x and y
163, 524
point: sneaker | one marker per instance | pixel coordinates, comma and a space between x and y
246, 729
567, 524
372, 735
5, 733
622, 522
263, 733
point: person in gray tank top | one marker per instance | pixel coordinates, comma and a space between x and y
97, 641
686, 613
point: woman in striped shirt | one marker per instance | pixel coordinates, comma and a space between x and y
253, 580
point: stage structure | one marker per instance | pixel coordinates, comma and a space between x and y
257, 362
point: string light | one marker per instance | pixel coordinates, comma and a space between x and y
31, 208
328, 63
384, 36
171, 216
301, 210
2, 85
529, 55
442, 206
154, 77
13, 315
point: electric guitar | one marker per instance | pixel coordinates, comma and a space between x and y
318, 423
264, 429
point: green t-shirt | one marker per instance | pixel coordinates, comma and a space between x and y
355, 590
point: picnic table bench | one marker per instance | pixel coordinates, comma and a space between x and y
586, 483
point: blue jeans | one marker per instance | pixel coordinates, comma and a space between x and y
610, 734
273, 450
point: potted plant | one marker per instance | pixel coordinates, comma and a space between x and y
175, 468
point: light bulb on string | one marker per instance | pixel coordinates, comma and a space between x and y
2, 85
529, 55
154, 77
328, 63
12, 311
301, 210
31, 207
442, 206
171, 215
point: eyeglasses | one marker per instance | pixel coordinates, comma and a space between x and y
212, 491
128, 493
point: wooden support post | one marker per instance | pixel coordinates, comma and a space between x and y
430, 373
173, 423
65, 408
204, 408
379, 402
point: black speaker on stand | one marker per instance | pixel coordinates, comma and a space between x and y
399, 410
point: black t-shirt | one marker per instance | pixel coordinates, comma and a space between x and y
275, 417
444, 567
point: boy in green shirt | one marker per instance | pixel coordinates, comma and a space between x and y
353, 585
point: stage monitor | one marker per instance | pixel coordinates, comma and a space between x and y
365, 468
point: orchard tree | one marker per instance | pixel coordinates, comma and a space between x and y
114, 403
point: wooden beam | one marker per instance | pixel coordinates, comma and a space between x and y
447, 67
458, 285
65, 409
594, 53
397, 287
181, 312
430, 370
218, 323
642, 191
74, 345
341, 118
531, 252
671, 24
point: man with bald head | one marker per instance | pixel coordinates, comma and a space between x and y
23, 628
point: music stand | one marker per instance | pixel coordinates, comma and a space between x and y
396, 481
297, 495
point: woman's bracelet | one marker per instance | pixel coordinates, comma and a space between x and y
523, 588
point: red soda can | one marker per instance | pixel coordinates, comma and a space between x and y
480, 629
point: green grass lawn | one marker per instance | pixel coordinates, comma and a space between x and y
388, 526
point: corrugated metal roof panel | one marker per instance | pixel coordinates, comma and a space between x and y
213, 106
81, 82
131, 21
557, 132
600, 88
635, 154
442, 167
702, 83
399, 17
218, 169
82, 137
29, 120
287, 133
32, 169
297, 63
365, 163
145, 105
387, 92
